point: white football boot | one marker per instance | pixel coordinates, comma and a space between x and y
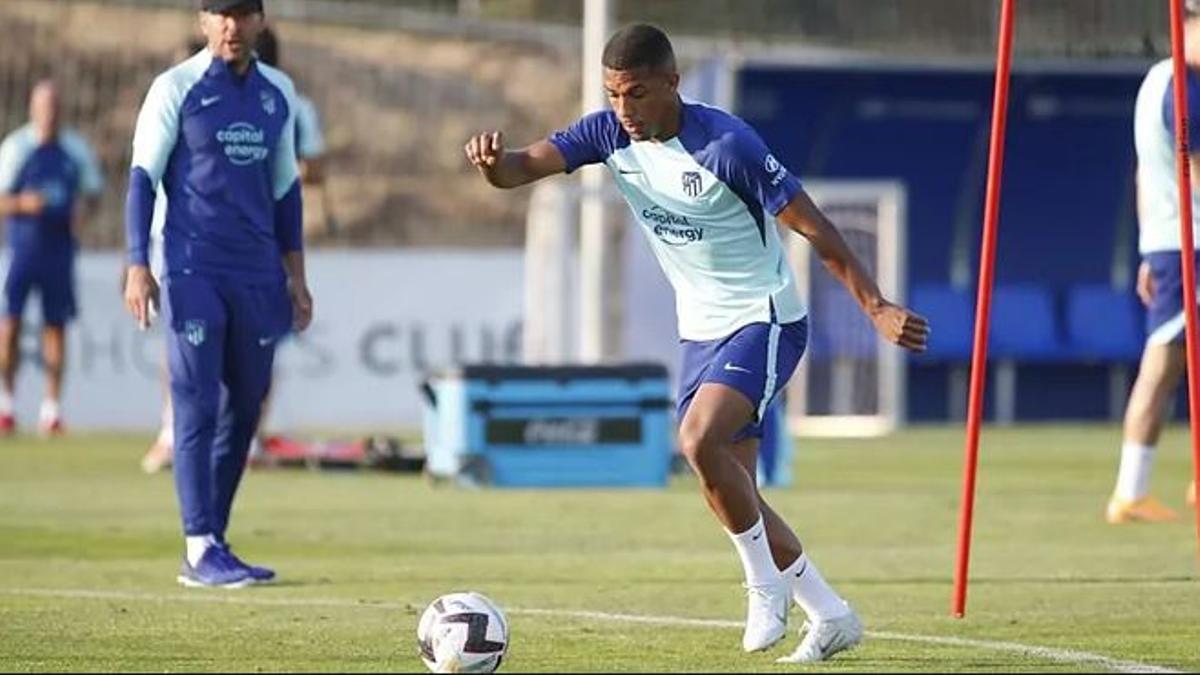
766, 616
826, 638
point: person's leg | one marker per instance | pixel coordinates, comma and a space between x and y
716, 414
57, 287
54, 358
726, 385
261, 316
1162, 365
195, 321
16, 290
161, 451
809, 589
1158, 376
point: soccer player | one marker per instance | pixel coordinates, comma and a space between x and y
49, 185
1159, 280
706, 193
217, 131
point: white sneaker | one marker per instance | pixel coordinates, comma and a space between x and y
826, 638
766, 617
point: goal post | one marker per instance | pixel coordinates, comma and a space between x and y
850, 382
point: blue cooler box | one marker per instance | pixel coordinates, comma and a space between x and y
528, 426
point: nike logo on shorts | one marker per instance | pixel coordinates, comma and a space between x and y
735, 369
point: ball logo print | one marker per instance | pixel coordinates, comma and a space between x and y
462, 633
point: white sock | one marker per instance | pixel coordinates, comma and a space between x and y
1133, 478
197, 545
6, 403
755, 552
50, 410
811, 592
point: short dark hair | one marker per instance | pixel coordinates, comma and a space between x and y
268, 47
639, 46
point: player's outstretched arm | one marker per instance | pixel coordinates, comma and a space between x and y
512, 168
896, 324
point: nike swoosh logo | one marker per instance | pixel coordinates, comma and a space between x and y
264, 341
736, 369
756, 537
627, 172
209, 100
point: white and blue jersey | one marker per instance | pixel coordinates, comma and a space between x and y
706, 201
1158, 195
1154, 140
222, 147
60, 170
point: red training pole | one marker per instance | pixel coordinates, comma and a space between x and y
983, 303
1187, 249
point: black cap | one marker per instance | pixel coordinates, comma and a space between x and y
217, 6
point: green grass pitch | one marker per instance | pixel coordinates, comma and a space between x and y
89, 548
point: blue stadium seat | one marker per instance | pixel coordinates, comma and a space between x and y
1023, 325
1104, 324
951, 315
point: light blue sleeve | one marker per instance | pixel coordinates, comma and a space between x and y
91, 179
14, 152
285, 172
157, 128
310, 142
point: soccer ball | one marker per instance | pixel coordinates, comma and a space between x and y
462, 633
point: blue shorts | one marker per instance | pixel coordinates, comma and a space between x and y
757, 360
1164, 316
54, 279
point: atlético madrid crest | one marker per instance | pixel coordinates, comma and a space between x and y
691, 183
194, 332
268, 102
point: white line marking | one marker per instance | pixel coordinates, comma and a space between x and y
1069, 656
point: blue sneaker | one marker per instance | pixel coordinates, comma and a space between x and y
215, 569
259, 575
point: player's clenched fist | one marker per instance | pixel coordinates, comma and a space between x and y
902, 327
485, 150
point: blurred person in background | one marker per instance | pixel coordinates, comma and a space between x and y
218, 133
310, 141
707, 193
49, 187
1159, 279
